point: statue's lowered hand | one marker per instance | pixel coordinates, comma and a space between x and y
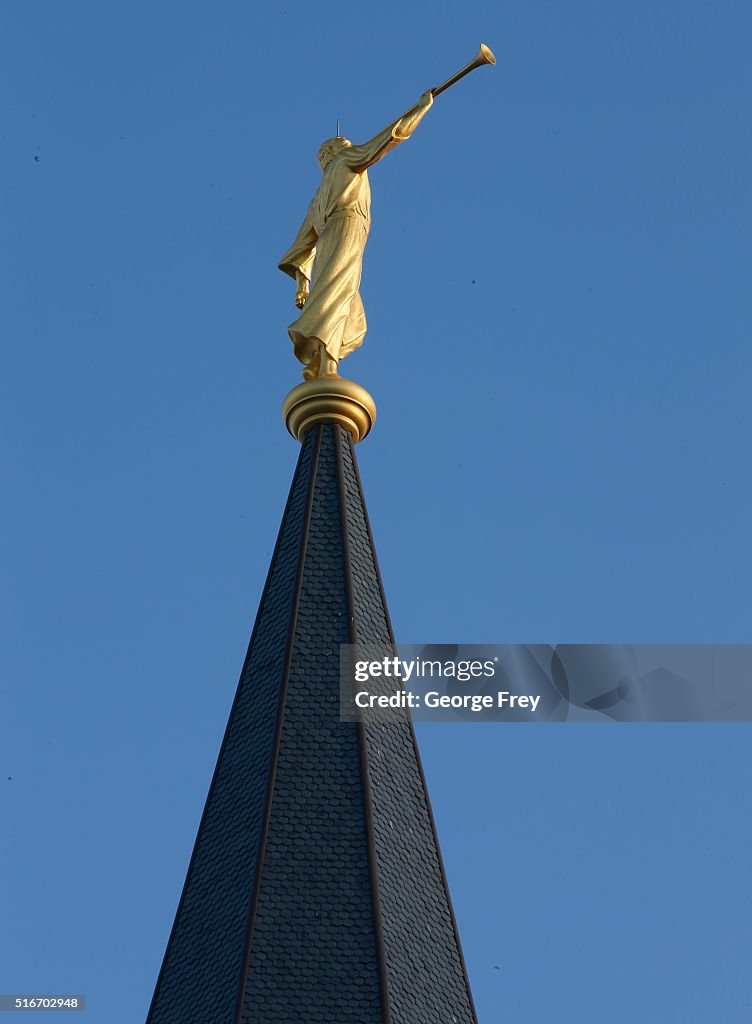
301, 295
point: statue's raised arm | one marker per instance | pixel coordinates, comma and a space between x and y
359, 158
326, 257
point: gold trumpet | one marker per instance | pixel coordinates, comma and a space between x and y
483, 56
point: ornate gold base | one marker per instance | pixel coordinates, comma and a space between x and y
329, 400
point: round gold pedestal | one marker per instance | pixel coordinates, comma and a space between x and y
329, 400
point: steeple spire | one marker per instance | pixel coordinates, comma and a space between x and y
316, 890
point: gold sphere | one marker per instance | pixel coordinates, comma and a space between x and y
329, 400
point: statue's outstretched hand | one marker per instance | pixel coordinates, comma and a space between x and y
406, 125
426, 100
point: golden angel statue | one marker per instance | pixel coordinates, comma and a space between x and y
328, 249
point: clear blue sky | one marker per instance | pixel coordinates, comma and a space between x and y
557, 286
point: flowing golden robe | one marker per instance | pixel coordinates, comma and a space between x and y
329, 247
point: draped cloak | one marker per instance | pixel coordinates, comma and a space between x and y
329, 248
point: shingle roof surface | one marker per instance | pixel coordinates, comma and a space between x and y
315, 892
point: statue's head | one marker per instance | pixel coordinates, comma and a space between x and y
329, 149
